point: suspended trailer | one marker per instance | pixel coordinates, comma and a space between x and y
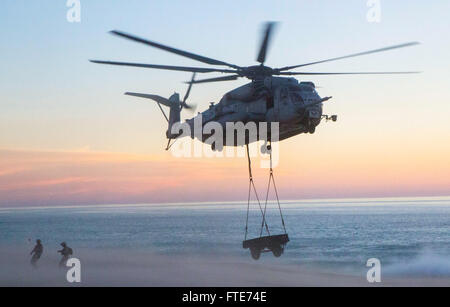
269, 243
274, 244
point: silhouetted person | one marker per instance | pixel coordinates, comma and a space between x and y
65, 252
36, 252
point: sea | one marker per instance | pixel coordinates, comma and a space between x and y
409, 236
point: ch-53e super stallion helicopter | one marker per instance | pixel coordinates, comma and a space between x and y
271, 96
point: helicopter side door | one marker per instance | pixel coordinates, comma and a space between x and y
283, 107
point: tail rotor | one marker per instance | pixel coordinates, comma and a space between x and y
175, 105
172, 102
183, 104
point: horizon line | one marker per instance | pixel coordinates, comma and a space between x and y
340, 201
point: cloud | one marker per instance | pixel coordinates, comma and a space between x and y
45, 178
55, 178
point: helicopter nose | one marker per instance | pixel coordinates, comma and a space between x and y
314, 113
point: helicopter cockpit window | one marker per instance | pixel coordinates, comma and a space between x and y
307, 89
296, 97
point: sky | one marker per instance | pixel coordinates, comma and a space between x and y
68, 135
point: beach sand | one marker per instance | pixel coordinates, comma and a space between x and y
121, 268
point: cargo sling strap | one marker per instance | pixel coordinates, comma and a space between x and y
252, 187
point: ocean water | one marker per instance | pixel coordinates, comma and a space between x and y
410, 236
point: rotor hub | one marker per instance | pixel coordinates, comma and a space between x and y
257, 71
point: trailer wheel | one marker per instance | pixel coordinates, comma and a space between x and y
255, 252
277, 251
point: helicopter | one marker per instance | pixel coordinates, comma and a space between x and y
273, 95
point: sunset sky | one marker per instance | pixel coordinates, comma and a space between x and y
69, 136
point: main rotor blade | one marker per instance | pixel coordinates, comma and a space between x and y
156, 98
352, 55
167, 67
174, 50
288, 73
226, 78
265, 42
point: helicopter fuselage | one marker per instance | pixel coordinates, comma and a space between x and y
295, 106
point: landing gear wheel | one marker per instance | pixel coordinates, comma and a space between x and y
256, 253
266, 148
277, 251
